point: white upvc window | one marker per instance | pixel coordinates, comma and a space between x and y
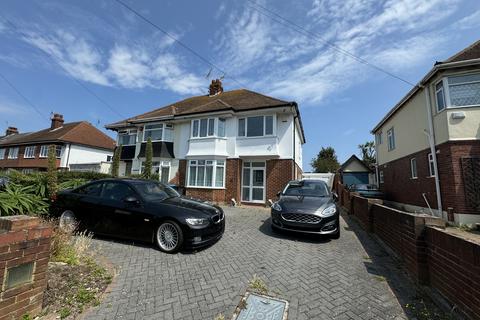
158, 132
431, 166
2, 153
208, 127
380, 176
29, 152
458, 91
206, 173
256, 126
162, 168
127, 137
378, 138
391, 139
13, 153
58, 151
413, 168
44, 151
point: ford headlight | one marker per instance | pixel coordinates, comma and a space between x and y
276, 206
197, 221
329, 211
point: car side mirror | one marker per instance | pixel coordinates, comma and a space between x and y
335, 196
131, 200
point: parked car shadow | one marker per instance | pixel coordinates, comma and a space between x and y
266, 229
384, 266
147, 245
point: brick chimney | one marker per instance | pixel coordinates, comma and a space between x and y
57, 121
215, 87
11, 130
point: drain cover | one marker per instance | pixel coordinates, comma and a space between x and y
261, 307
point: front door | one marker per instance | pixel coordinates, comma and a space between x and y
253, 181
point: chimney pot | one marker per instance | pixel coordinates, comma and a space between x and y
215, 87
57, 121
11, 130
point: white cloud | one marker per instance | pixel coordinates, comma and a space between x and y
288, 64
469, 22
9, 108
139, 66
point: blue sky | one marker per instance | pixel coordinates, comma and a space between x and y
50, 49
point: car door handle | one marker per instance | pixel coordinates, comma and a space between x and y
123, 212
146, 220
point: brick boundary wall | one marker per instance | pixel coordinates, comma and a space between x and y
433, 256
23, 240
213, 195
455, 269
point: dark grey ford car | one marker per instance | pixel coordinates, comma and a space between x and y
307, 206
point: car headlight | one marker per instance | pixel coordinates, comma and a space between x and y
276, 206
329, 211
197, 221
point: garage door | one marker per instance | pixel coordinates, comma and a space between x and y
355, 178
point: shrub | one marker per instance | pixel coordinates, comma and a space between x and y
72, 184
116, 161
64, 176
147, 172
52, 179
153, 176
16, 199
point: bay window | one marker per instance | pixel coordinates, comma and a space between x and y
206, 173
208, 127
256, 126
158, 132
458, 91
127, 137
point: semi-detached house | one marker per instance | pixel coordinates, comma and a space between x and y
237, 144
428, 145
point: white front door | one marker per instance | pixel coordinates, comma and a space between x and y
253, 181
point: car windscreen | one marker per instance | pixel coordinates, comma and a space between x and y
155, 190
308, 189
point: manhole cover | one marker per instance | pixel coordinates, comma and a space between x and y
261, 307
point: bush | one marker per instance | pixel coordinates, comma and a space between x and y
17, 199
153, 176
72, 184
64, 176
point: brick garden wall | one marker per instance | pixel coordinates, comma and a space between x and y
434, 257
213, 195
455, 269
23, 240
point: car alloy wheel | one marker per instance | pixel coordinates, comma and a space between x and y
169, 237
68, 221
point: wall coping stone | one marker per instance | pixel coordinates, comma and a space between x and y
18, 222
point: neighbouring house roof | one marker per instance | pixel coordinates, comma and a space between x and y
350, 160
235, 100
82, 133
468, 56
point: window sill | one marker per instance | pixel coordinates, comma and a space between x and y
413, 178
207, 188
259, 137
431, 176
207, 138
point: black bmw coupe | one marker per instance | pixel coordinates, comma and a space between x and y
307, 206
140, 210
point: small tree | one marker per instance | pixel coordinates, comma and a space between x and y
367, 151
116, 161
147, 173
325, 161
52, 179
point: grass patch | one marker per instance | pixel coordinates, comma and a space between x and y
422, 311
219, 317
258, 285
380, 278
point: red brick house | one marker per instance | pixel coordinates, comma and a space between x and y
235, 144
76, 143
428, 145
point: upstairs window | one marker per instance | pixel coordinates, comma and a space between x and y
380, 177
29, 152
257, 126
44, 151
13, 153
391, 139
158, 132
127, 137
2, 153
378, 138
208, 127
458, 91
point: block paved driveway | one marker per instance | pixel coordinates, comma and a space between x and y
349, 278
